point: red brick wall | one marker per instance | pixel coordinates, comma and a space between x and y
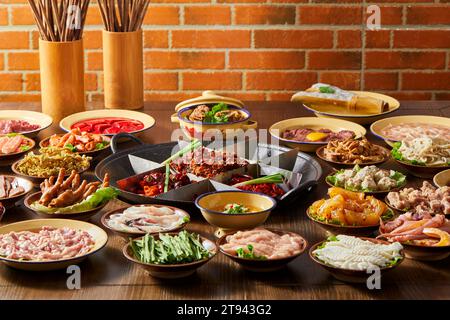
257, 49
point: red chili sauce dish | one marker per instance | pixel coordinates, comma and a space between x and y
111, 125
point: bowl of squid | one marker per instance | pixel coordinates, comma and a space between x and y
354, 259
136, 221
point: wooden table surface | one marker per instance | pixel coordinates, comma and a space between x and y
108, 275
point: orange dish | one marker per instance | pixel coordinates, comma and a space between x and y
349, 208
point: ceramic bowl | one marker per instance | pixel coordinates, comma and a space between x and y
442, 179
347, 230
148, 121
341, 165
378, 126
127, 235
362, 119
37, 180
10, 158
93, 153
24, 183
41, 119
335, 125
266, 265
100, 237
197, 128
208, 131
171, 271
352, 276
209, 202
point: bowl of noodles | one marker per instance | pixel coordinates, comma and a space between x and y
423, 157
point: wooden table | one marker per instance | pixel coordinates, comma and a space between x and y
108, 275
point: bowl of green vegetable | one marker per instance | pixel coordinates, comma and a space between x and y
170, 255
231, 210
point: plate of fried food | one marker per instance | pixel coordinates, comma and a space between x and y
350, 152
48, 162
78, 141
348, 212
70, 197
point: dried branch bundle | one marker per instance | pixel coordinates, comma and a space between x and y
60, 20
123, 15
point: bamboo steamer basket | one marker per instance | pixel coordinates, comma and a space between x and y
123, 70
62, 78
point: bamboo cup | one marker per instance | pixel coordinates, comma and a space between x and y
123, 70
62, 78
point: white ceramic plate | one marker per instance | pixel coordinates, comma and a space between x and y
147, 120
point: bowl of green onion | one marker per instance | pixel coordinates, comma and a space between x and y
170, 255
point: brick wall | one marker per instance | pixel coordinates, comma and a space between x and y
257, 49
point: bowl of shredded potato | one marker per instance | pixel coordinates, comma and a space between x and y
48, 162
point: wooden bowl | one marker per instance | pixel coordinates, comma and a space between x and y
424, 172
148, 121
100, 237
377, 194
336, 125
10, 158
347, 230
127, 235
208, 202
84, 215
24, 183
170, 271
39, 118
267, 265
38, 180
341, 165
353, 276
93, 153
426, 253
442, 179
